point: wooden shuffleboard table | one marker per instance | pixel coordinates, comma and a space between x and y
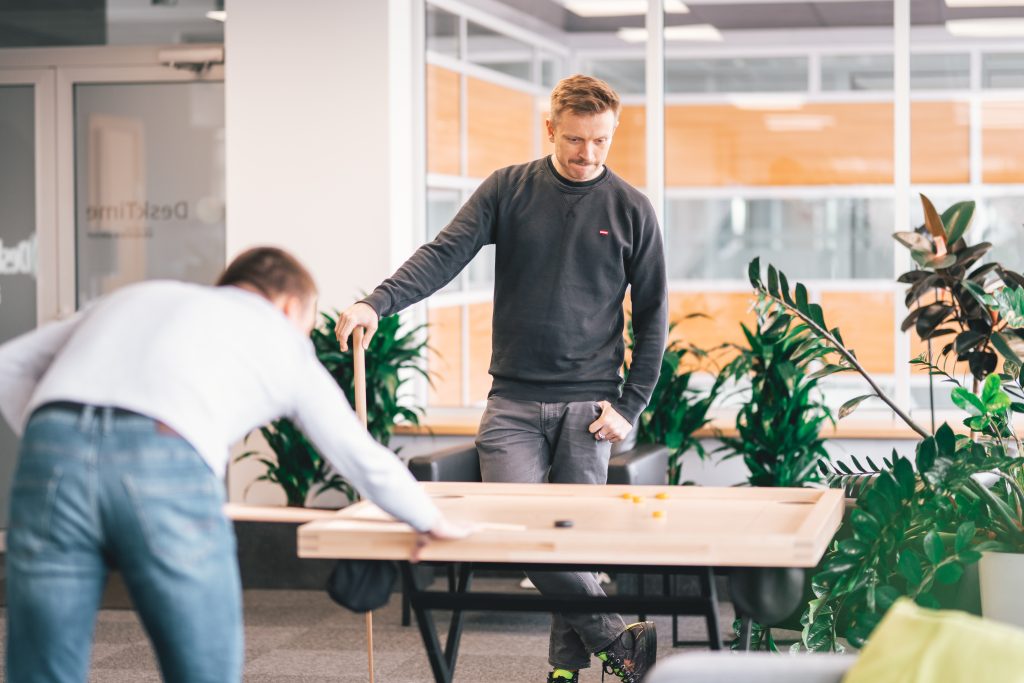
646, 529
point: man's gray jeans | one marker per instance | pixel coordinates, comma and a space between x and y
533, 442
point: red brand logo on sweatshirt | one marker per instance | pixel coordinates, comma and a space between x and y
602, 232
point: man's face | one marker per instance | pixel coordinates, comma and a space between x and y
581, 142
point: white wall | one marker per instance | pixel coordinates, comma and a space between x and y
321, 118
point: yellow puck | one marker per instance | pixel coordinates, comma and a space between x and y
627, 496
659, 514
661, 496
637, 499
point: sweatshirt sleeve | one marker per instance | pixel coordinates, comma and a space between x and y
23, 362
649, 298
324, 415
436, 263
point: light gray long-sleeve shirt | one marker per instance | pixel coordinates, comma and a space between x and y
212, 363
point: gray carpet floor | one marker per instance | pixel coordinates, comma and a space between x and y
293, 636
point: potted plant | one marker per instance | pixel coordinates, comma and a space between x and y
914, 533
267, 554
678, 408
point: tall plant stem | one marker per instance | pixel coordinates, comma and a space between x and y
851, 359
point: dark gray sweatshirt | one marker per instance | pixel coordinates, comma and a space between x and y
564, 254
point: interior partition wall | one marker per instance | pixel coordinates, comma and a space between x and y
803, 144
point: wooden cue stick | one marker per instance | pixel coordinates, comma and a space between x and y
359, 360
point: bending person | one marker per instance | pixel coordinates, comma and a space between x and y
126, 413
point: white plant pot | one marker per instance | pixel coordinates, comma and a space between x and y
1001, 598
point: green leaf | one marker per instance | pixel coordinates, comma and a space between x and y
773, 281
865, 525
967, 401
991, 389
754, 273
949, 573
909, 566
801, 298
964, 535
852, 405
933, 547
957, 219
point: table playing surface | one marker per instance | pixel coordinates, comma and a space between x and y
597, 524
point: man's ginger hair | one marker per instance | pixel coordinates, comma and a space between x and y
583, 95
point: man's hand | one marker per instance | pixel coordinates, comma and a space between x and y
443, 530
356, 315
610, 426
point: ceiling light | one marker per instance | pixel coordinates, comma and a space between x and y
984, 3
986, 28
619, 8
789, 123
767, 102
217, 15
694, 32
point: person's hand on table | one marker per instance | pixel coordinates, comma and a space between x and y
610, 426
356, 315
443, 530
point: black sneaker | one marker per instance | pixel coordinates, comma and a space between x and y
562, 679
631, 654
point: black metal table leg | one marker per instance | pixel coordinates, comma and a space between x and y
428, 630
451, 645
707, 584
406, 609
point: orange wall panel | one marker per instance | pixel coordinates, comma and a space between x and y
865, 319
628, 156
442, 96
1002, 142
725, 311
818, 144
500, 122
940, 142
444, 360
479, 351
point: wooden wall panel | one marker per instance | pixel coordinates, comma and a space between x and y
725, 311
444, 361
865, 319
500, 122
442, 120
818, 144
940, 142
1002, 142
628, 155
479, 351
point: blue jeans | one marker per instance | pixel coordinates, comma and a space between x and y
98, 489
534, 442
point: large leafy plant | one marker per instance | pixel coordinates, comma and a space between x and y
395, 355
779, 423
912, 533
678, 408
948, 294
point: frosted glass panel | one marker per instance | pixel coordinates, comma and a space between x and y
17, 242
149, 184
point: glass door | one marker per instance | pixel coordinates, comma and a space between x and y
25, 220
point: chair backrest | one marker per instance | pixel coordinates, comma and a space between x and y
644, 464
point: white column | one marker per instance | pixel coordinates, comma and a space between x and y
320, 136
324, 146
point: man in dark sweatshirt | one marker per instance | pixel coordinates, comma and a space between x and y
570, 236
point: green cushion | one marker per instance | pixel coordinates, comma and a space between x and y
917, 645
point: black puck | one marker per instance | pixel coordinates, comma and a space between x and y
563, 523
